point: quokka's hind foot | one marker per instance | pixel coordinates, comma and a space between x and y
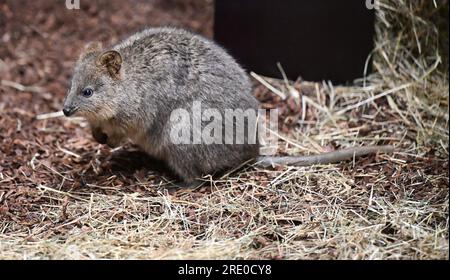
189, 185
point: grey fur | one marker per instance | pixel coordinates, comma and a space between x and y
163, 69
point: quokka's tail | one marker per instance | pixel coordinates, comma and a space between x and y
330, 157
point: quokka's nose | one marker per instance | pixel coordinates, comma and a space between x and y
68, 111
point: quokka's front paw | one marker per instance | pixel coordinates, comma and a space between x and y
99, 136
113, 142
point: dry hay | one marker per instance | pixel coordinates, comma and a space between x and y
78, 200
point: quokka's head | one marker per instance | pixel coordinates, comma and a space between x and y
94, 89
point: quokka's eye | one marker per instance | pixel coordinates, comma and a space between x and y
87, 92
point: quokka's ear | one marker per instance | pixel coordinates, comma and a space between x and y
90, 48
111, 61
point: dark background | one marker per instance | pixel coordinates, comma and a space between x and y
317, 40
